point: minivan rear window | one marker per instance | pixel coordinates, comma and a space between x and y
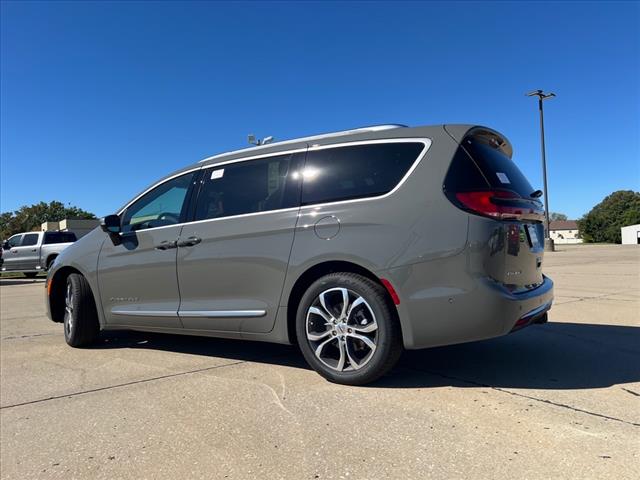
358, 171
59, 237
499, 171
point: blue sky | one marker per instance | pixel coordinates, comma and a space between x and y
100, 99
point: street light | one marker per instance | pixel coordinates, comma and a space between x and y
548, 242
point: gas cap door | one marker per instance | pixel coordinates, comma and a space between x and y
327, 227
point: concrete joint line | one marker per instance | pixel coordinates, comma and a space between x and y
120, 385
542, 400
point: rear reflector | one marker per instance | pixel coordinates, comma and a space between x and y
391, 290
499, 204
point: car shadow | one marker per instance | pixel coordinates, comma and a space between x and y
553, 356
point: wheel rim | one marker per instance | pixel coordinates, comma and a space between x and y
68, 309
342, 329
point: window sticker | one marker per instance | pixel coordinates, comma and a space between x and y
219, 173
502, 177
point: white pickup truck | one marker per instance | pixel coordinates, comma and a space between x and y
33, 252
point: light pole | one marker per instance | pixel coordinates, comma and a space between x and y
548, 241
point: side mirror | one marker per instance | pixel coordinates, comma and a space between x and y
111, 224
5, 245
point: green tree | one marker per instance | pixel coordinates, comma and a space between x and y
28, 218
603, 222
555, 216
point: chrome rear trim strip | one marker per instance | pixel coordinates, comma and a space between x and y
145, 313
222, 313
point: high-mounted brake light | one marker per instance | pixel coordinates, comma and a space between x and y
495, 204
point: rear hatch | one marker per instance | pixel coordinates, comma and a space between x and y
484, 181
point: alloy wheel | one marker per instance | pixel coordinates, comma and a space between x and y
68, 309
342, 329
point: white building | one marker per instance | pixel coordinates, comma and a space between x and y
79, 226
631, 235
564, 232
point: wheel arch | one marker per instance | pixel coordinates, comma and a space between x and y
56, 291
317, 271
49, 260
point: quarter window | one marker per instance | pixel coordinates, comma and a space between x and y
29, 239
358, 171
160, 207
249, 187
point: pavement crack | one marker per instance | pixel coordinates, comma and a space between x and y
631, 392
529, 397
120, 385
596, 297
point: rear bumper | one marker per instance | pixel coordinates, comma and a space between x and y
537, 315
436, 310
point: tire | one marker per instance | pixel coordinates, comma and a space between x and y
81, 325
325, 327
30, 274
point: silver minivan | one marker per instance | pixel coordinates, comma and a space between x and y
352, 245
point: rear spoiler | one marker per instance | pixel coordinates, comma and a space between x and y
458, 132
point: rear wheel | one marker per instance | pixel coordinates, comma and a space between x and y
30, 274
347, 329
81, 326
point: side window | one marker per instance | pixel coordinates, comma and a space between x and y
344, 173
59, 237
30, 239
15, 240
249, 187
161, 206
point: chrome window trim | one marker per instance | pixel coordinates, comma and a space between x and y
252, 157
425, 141
322, 136
281, 210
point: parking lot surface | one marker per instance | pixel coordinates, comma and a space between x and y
560, 400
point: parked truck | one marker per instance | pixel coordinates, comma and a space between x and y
33, 252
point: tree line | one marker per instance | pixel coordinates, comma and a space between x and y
603, 222
29, 218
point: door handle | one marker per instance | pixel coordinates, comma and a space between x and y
34, 250
189, 242
14, 251
166, 245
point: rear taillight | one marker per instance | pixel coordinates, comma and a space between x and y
500, 204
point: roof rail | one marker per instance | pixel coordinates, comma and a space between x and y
372, 128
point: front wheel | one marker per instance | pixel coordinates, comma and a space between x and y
347, 329
81, 325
